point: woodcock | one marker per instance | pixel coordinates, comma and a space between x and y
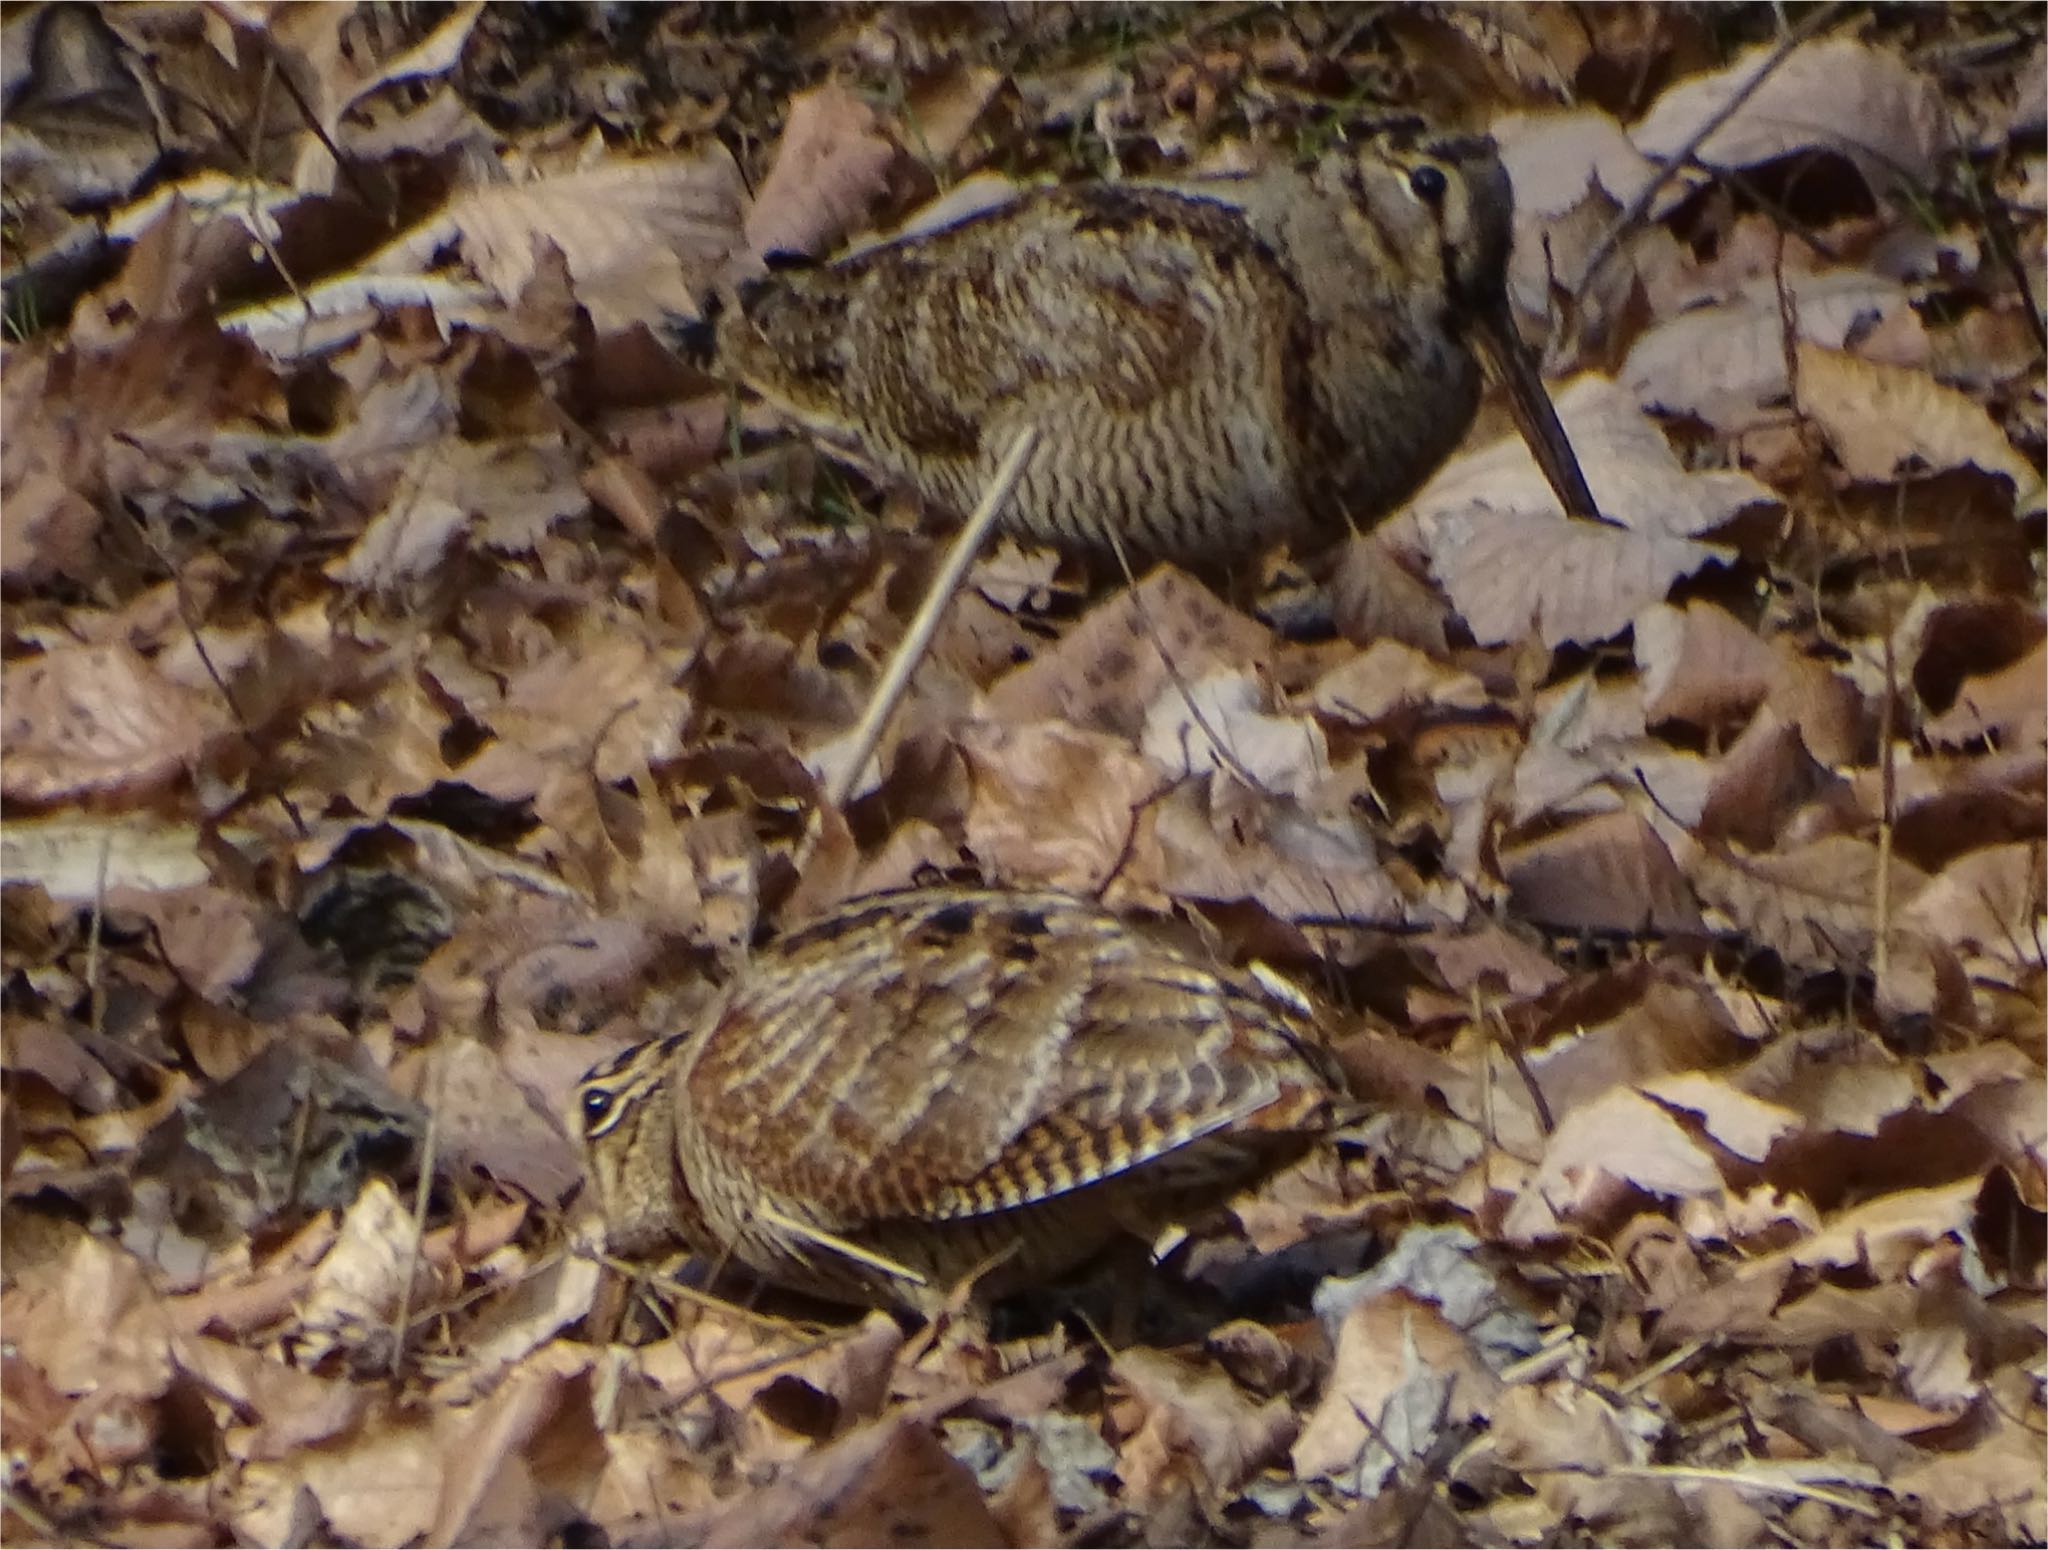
1213, 366
926, 1086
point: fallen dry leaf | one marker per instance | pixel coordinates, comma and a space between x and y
99, 720
1832, 94
1881, 420
422, 664
829, 169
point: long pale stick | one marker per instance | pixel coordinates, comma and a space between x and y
896, 677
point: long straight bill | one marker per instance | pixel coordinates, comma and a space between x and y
1501, 347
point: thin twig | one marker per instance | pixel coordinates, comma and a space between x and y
896, 676
1888, 779
95, 991
1638, 207
437, 1085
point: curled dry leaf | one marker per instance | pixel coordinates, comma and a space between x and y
643, 238
1618, 1142
99, 720
1555, 159
1832, 94
280, 1407
1575, 1445
534, 1435
889, 1484
1403, 1369
1573, 172
1817, 905
1298, 864
359, 1285
1388, 677
1106, 672
1198, 1427
381, 1484
1747, 1126
485, 1120
1669, 1029
1700, 664
830, 167
1189, 721
1053, 805
604, 707
2006, 706
1880, 419
1610, 873
1990, 901
1763, 782
1489, 526
1725, 362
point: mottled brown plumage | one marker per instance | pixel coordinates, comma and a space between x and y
1213, 366
926, 1084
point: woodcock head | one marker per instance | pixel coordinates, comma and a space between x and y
1454, 232
1213, 366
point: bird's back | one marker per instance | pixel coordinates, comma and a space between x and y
1152, 336
933, 1074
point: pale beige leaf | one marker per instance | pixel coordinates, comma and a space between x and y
287, 1408
1106, 672
1053, 805
486, 1121
642, 238
99, 719
1620, 1138
1609, 873
74, 857
358, 1286
1555, 159
1402, 1370
1746, 1125
830, 168
1725, 362
1990, 900
1816, 905
1700, 664
1220, 722
1832, 94
1881, 418
1761, 783
382, 1485
1999, 1476
1885, 1234
1245, 845
1388, 677
856, 1492
1198, 1428
1490, 527
2009, 706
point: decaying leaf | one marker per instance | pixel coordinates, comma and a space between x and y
423, 663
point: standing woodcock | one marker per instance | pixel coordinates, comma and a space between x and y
945, 1083
1213, 366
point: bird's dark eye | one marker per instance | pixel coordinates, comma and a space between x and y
597, 1106
1428, 183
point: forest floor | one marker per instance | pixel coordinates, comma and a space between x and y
421, 683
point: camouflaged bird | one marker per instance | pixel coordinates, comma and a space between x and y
949, 1083
1213, 366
